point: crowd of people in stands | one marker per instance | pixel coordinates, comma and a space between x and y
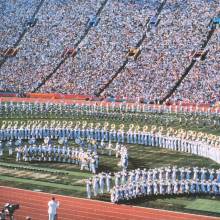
165, 52
14, 14
60, 24
203, 84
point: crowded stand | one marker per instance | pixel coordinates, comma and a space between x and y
202, 84
166, 51
14, 15
103, 50
60, 24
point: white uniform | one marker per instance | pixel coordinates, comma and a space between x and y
101, 183
108, 182
88, 188
52, 209
95, 185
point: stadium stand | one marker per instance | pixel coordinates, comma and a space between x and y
165, 54
102, 33
74, 77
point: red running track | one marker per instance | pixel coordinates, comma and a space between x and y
34, 204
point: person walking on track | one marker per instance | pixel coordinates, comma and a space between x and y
52, 209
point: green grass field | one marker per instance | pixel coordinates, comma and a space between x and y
67, 179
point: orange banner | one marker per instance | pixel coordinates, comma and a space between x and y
57, 96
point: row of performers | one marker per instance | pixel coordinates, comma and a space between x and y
173, 143
162, 174
166, 173
130, 136
153, 188
85, 159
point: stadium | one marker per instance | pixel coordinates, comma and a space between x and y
109, 109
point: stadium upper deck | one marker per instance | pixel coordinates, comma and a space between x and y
165, 52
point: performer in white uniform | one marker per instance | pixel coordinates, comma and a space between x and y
52, 209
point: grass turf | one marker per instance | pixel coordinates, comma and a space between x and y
69, 175
204, 205
67, 181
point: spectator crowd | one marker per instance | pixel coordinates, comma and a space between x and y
165, 52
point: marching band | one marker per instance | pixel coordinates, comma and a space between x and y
165, 181
197, 143
158, 181
127, 184
55, 153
